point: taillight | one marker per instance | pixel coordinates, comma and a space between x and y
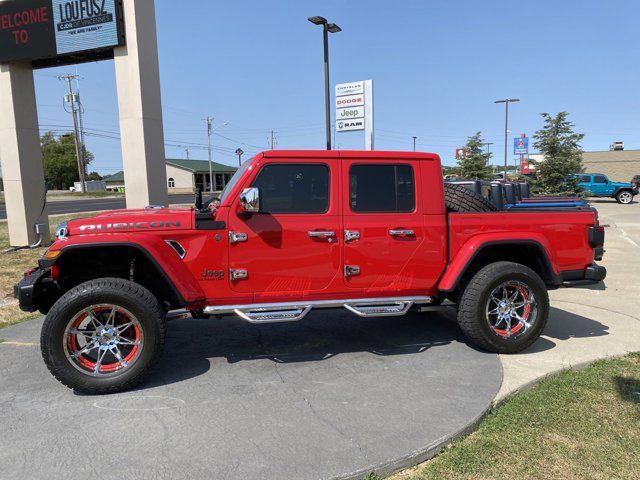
596, 240
596, 236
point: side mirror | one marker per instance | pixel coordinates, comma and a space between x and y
250, 200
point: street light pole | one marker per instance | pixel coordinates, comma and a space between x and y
327, 28
506, 102
414, 143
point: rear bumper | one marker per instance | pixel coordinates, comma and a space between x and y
591, 275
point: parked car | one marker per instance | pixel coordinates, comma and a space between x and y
598, 185
376, 233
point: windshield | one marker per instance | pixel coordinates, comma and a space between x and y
234, 180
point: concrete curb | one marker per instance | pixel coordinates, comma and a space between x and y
411, 460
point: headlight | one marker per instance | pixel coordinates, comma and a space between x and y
62, 231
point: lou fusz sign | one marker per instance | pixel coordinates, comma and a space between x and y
46, 29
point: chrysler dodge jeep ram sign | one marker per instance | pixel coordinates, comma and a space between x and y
59, 31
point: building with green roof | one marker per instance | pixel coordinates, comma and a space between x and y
184, 176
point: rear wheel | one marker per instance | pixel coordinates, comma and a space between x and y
103, 336
625, 197
504, 307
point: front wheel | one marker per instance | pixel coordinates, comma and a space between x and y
625, 197
103, 336
504, 307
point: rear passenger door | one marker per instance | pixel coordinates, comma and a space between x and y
383, 228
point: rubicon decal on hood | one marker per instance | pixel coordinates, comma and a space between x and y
128, 226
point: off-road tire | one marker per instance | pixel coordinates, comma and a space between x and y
137, 300
474, 298
625, 197
458, 198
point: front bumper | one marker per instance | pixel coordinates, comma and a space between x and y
591, 275
25, 291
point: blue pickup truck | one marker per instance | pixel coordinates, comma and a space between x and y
598, 185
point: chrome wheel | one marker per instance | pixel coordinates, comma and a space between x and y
511, 309
103, 340
625, 197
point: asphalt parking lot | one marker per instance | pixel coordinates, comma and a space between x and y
331, 397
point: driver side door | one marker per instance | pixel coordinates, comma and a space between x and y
290, 248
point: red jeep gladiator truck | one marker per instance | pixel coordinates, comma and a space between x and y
376, 233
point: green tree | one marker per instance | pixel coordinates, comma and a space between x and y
94, 176
474, 164
59, 158
560, 146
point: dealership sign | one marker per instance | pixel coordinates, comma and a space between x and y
521, 145
350, 101
350, 125
349, 88
50, 32
354, 109
349, 112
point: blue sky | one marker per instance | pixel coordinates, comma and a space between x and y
437, 67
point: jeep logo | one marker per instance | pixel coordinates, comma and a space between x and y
212, 274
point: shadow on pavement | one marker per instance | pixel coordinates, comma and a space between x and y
564, 325
192, 343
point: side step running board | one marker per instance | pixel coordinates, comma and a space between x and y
292, 312
273, 314
379, 309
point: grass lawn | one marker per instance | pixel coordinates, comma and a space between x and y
12, 266
575, 425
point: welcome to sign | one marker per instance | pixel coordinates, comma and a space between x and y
59, 31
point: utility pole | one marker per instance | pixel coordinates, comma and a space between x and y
74, 115
414, 143
209, 121
506, 102
273, 139
239, 152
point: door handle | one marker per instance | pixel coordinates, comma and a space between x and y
401, 232
329, 234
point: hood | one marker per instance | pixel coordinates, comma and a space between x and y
142, 220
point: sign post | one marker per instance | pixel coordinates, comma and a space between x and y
354, 109
521, 147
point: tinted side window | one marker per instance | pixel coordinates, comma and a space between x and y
584, 178
293, 188
599, 179
381, 188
